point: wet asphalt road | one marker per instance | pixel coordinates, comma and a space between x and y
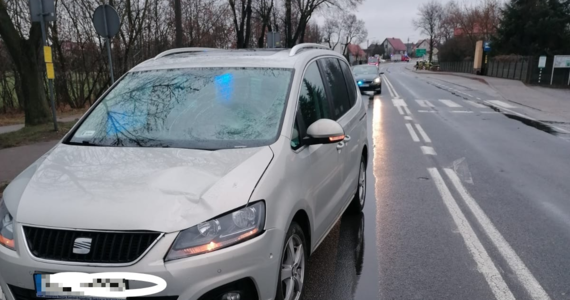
462, 203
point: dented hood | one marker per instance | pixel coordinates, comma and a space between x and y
111, 188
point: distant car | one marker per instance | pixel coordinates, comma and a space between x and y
406, 58
368, 78
382, 60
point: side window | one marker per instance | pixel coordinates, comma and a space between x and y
313, 103
350, 82
337, 85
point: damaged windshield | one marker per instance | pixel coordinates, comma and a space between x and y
204, 108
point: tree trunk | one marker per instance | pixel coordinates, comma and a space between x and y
288, 25
24, 53
261, 39
178, 23
430, 49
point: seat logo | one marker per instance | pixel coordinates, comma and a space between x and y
82, 245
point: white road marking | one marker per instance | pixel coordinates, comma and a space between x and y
489, 112
462, 111
426, 111
500, 103
407, 110
478, 98
424, 103
391, 86
408, 118
524, 275
484, 263
399, 102
415, 137
400, 110
449, 103
423, 133
475, 104
428, 150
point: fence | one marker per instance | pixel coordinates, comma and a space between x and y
457, 66
523, 68
510, 69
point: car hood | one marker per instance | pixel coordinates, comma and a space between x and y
367, 77
112, 188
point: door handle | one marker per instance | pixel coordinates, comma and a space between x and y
340, 145
347, 138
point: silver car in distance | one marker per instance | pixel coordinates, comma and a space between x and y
219, 171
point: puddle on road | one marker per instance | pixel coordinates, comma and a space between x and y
533, 123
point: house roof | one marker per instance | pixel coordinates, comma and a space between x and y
397, 44
356, 50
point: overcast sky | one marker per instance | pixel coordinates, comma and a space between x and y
393, 18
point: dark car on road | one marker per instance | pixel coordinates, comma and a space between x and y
368, 78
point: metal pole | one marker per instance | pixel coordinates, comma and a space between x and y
552, 75
50, 82
108, 40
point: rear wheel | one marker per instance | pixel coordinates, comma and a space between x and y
292, 271
359, 199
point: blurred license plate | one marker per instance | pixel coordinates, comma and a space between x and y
364, 85
48, 289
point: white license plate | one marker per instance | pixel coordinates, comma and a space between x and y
57, 290
364, 85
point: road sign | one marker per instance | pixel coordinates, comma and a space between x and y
562, 61
45, 8
420, 52
273, 39
487, 46
106, 21
107, 24
542, 62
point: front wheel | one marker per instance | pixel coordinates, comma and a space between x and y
292, 271
359, 198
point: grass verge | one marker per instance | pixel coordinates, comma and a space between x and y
34, 134
19, 118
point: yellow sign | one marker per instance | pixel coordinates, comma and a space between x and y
50, 72
47, 54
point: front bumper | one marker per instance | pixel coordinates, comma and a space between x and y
371, 87
189, 278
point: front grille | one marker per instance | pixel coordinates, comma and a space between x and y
25, 294
106, 247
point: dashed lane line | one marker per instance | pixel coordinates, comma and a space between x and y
428, 150
423, 133
415, 137
449, 103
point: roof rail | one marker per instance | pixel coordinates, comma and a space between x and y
300, 47
183, 50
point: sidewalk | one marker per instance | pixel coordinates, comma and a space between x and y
15, 160
11, 128
547, 105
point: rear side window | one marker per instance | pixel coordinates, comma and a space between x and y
349, 82
313, 103
337, 85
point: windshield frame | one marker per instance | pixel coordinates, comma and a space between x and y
260, 143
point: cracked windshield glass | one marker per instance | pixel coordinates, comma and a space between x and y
284, 149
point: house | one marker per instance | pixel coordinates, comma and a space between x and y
393, 46
356, 55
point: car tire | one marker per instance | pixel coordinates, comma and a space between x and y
359, 199
295, 244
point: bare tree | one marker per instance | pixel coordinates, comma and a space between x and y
355, 31
332, 32
263, 10
242, 21
23, 49
429, 22
178, 22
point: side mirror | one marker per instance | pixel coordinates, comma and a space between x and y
324, 131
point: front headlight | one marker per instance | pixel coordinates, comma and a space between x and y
377, 80
6, 227
224, 231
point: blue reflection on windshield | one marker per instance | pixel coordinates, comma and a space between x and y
224, 87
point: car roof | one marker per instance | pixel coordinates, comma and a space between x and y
266, 58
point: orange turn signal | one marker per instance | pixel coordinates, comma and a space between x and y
336, 138
7, 242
